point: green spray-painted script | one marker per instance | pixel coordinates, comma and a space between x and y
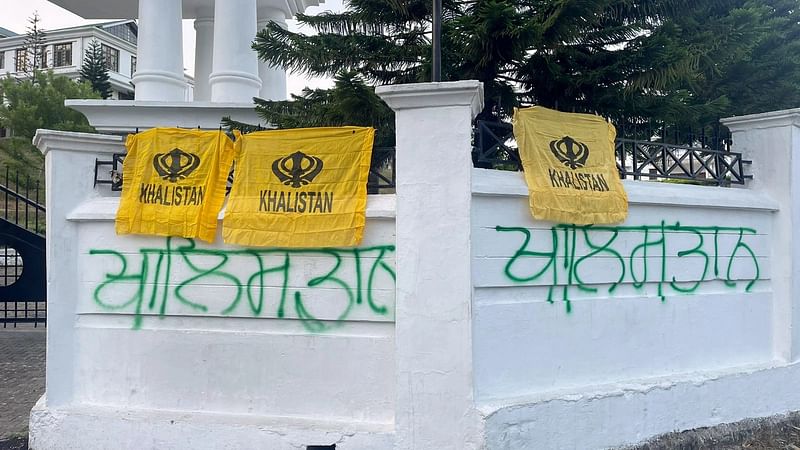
159, 276
644, 262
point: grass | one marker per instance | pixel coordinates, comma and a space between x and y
21, 170
20, 156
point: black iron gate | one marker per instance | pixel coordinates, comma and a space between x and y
22, 252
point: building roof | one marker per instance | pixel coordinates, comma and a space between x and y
102, 25
4, 32
107, 9
11, 37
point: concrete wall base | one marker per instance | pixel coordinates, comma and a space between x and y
628, 413
99, 427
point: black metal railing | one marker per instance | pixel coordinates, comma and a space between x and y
14, 313
22, 198
381, 172
694, 158
494, 146
22, 267
656, 160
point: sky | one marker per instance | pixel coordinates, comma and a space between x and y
15, 14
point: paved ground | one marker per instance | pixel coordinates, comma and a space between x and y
22, 353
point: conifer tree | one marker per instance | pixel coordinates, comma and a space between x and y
95, 71
34, 48
691, 61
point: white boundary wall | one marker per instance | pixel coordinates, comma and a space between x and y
683, 316
170, 343
705, 336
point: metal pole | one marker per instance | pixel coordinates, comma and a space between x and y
436, 71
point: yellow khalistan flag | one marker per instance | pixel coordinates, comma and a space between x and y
570, 166
299, 188
174, 182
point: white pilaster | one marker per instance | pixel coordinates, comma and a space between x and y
273, 79
235, 67
434, 407
772, 142
204, 47
159, 71
66, 154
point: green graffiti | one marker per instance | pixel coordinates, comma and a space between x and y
635, 266
157, 282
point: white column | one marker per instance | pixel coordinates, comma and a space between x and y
159, 66
203, 51
434, 406
235, 68
772, 141
66, 154
273, 79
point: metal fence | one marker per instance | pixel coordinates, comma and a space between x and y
381, 172
648, 154
22, 267
22, 198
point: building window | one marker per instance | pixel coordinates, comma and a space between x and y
2, 60
133, 65
112, 58
124, 31
21, 60
62, 55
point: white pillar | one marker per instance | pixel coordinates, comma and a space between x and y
203, 51
772, 142
66, 154
273, 79
434, 406
235, 69
159, 65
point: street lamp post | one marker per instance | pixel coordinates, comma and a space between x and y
436, 71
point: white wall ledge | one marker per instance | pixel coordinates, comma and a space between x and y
763, 120
433, 95
487, 182
104, 209
46, 140
128, 115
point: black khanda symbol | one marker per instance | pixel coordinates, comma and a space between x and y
297, 169
175, 165
570, 152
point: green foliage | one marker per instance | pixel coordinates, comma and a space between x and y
36, 103
678, 61
95, 71
21, 157
349, 102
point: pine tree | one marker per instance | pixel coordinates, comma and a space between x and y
634, 61
493, 41
95, 71
34, 48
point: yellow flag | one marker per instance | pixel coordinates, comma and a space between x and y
299, 188
570, 166
174, 182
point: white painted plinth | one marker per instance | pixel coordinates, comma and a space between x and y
96, 427
125, 116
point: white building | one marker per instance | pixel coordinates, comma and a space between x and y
228, 73
66, 48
